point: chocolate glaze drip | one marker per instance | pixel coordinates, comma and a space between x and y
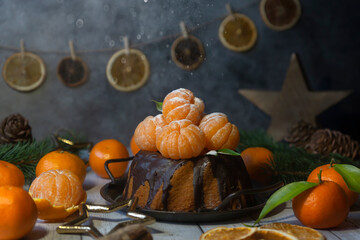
199, 169
230, 171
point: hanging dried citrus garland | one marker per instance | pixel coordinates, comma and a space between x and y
280, 14
24, 71
237, 32
128, 69
187, 51
72, 70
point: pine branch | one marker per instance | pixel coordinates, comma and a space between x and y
290, 163
26, 154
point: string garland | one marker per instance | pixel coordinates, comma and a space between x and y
135, 45
128, 69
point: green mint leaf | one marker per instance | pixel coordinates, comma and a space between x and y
284, 194
228, 152
350, 174
158, 105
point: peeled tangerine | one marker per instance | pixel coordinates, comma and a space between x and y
182, 104
146, 131
57, 194
180, 139
219, 132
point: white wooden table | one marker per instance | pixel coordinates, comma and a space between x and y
350, 229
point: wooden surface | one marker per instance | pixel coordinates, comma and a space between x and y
350, 229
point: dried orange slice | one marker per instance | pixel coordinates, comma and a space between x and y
187, 52
245, 233
227, 233
127, 71
302, 233
24, 71
57, 194
237, 32
270, 234
219, 132
280, 15
180, 139
72, 71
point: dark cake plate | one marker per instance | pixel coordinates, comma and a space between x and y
112, 191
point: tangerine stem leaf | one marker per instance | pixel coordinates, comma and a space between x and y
228, 152
158, 105
284, 194
350, 174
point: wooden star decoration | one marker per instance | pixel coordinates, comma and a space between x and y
293, 103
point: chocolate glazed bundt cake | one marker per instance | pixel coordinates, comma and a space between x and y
188, 185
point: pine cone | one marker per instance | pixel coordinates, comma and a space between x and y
327, 141
300, 134
14, 128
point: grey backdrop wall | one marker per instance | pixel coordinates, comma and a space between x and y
326, 40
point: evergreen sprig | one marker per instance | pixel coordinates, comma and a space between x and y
26, 154
290, 163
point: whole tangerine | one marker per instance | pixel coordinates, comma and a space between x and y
323, 206
258, 164
105, 150
328, 173
57, 194
134, 148
60, 159
180, 104
219, 132
147, 130
18, 212
11, 175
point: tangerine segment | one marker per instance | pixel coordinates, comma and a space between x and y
134, 148
18, 212
11, 175
176, 109
61, 160
183, 93
146, 131
328, 173
180, 139
219, 132
324, 206
200, 104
